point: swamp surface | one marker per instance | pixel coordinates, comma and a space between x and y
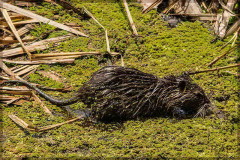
158, 50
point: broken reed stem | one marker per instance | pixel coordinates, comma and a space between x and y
130, 18
157, 2
59, 124
38, 100
9, 72
24, 125
214, 69
30, 14
235, 74
234, 28
40, 61
21, 123
219, 57
106, 32
226, 7
40, 45
64, 54
225, 45
14, 30
165, 11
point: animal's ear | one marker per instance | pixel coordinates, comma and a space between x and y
182, 85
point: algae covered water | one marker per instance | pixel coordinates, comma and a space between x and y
159, 50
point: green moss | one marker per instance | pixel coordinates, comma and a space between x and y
158, 50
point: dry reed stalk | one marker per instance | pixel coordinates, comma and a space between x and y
26, 70
11, 100
24, 125
21, 123
57, 57
9, 72
166, 10
15, 89
130, 18
59, 124
39, 18
6, 98
14, 30
15, 41
65, 54
223, 19
40, 61
106, 32
16, 92
4, 78
40, 45
38, 100
156, 3
18, 68
235, 74
30, 21
234, 28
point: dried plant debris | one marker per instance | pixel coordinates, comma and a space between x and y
220, 12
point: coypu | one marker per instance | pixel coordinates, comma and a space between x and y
118, 93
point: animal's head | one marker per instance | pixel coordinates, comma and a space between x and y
187, 99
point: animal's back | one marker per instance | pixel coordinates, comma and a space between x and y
114, 92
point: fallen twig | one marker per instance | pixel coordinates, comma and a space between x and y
214, 69
221, 56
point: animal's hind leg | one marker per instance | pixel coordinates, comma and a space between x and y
85, 113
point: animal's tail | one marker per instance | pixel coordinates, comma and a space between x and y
44, 95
